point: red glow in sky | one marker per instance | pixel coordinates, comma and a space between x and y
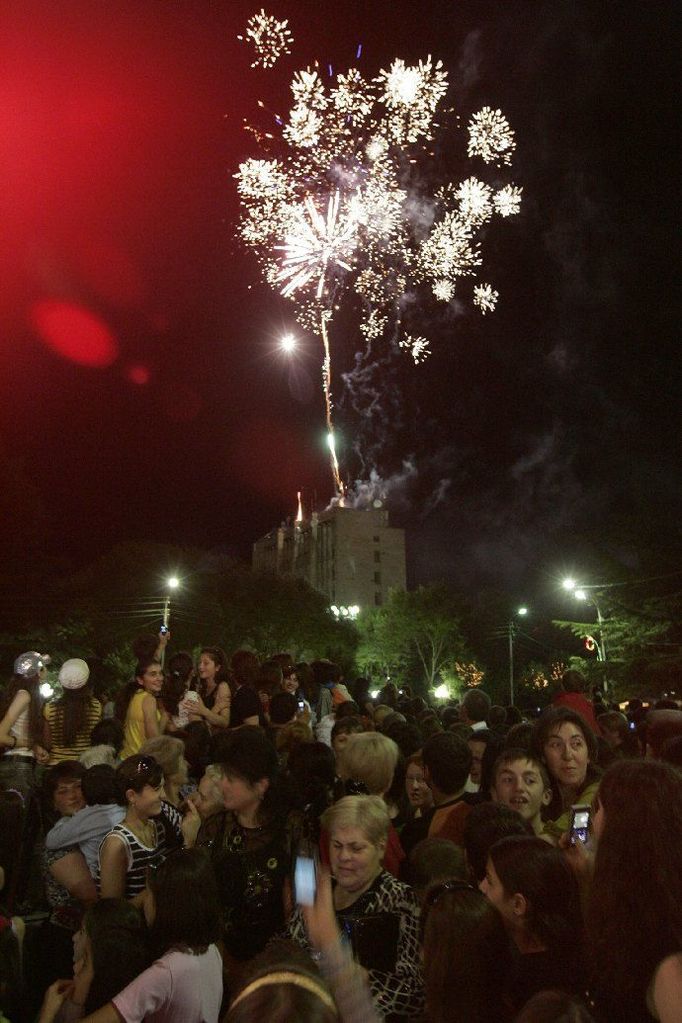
74, 333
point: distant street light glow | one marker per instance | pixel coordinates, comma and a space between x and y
568, 584
522, 611
173, 582
441, 692
288, 343
580, 595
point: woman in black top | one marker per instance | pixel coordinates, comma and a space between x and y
251, 845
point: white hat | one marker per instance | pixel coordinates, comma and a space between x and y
74, 673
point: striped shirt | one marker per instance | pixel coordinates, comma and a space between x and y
53, 713
140, 857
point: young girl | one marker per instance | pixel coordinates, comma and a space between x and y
70, 719
21, 727
215, 697
185, 982
150, 829
137, 707
531, 885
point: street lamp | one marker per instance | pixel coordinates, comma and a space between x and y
584, 594
521, 612
172, 583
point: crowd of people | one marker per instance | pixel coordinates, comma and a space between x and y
241, 839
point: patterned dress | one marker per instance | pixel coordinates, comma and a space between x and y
398, 995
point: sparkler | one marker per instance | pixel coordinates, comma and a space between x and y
335, 206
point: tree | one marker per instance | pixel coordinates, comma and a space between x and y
415, 635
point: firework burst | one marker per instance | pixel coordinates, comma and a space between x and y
270, 38
335, 205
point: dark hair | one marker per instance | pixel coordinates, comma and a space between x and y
347, 709
476, 703
486, 824
554, 1007
67, 770
178, 672
434, 859
634, 914
406, 735
72, 708
573, 681
99, 785
283, 707
271, 673
248, 754
281, 1002
539, 871
31, 683
347, 726
429, 725
129, 690
513, 716
497, 716
662, 725
245, 667
187, 902
325, 672
134, 773
465, 951
108, 732
448, 759
118, 939
311, 773
520, 735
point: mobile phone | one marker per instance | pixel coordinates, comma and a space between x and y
305, 880
580, 823
301, 703
164, 629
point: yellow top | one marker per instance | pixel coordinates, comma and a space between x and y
133, 730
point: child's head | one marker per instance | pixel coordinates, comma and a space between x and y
181, 903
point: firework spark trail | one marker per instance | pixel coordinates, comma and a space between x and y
334, 207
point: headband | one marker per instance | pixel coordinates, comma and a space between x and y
287, 977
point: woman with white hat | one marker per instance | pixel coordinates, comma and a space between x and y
70, 718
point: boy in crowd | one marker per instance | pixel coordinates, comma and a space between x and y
521, 782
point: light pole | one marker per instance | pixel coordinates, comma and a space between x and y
171, 584
582, 593
522, 612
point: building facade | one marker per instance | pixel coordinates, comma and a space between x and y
353, 557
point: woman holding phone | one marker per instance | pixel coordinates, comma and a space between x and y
378, 914
568, 748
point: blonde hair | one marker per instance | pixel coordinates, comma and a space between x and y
367, 813
168, 752
369, 757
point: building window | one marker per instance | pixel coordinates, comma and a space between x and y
377, 557
377, 578
378, 599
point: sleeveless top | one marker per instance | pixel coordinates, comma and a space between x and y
53, 714
140, 857
20, 732
133, 729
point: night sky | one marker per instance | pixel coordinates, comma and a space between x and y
533, 440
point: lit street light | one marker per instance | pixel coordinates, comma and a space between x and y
288, 343
583, 594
